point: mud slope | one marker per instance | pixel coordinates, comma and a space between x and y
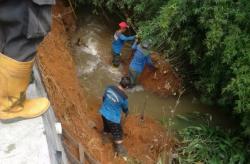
68, 100
163, 81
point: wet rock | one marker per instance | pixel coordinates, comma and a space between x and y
80, 42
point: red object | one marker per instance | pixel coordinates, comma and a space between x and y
123, 25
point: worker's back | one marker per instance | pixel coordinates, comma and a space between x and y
114, 101
119, 40
139, 60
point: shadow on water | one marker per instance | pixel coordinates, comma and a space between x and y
92, 53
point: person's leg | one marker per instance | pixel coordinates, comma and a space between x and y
116, 59
105, 125
23, 26
117, 133
105, 132
133, 77
131, 74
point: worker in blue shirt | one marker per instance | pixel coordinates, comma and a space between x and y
115, 101
118, 43
142, 57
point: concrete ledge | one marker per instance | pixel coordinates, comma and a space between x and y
32, 141
24, 142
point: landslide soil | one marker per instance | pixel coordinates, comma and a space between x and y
162, 81
144, 141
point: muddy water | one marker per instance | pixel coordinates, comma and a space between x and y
92, 53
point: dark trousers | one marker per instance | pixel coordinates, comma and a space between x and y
116, 59
133, 76
113, 128
23, 25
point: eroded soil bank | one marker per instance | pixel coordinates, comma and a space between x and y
143, 141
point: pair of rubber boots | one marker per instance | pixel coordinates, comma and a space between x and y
119, 148
14, 80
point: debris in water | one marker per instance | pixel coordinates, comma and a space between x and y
137, 88
80, 42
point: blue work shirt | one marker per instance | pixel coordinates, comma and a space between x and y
140, 59
118, 42
114, 102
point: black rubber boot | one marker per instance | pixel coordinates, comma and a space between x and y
121, 150
116, 61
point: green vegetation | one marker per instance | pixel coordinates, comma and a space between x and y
202, 142
208, 42
210, 145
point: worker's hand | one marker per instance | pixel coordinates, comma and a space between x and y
138, 37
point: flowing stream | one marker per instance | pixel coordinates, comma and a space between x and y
92, 53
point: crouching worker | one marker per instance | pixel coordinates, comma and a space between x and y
118, 43
115, 101
142, 57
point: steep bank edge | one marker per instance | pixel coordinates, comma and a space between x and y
59, 76
68, 100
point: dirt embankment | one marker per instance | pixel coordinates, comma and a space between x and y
78, 117
163, 81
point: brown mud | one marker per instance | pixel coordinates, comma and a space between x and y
162, 81
144, 141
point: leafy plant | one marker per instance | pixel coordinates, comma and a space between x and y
208, 42
203, 144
